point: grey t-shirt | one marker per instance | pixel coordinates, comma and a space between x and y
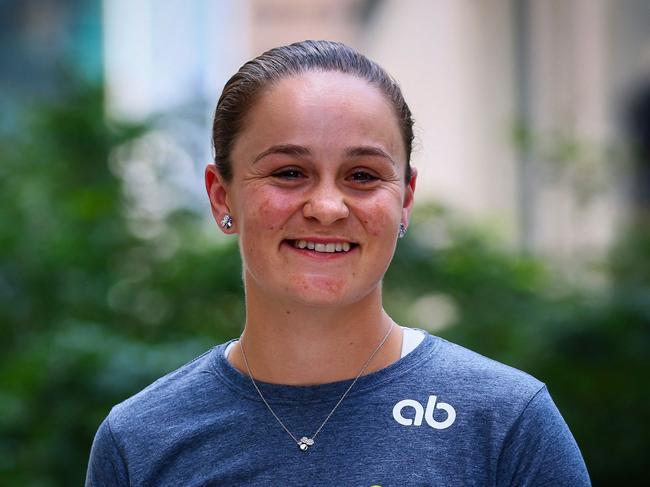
440, 416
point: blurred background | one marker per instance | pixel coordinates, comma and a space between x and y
530, 242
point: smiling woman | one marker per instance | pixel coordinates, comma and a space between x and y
319, 159
312, 172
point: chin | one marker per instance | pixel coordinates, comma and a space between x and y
324, 293
321, 301
318, 290
323, 296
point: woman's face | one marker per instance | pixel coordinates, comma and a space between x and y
318, 190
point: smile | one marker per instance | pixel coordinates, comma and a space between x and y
329, 247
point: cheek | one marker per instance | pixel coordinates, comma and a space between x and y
380, 218
268, 211
266, 215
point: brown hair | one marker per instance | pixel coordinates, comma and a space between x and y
242, 90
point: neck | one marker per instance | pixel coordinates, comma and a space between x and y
288, 343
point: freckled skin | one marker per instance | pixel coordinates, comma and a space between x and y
327, 113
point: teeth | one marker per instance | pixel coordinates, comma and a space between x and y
321, 247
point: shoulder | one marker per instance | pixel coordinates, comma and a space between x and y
171, 396
141, 435
471, 363
465, 369
484, 389
539, 448
489, 416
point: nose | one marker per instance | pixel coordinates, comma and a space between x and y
326, 204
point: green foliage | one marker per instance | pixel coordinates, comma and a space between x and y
91, 313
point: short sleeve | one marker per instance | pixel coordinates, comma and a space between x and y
106, 466
539, 449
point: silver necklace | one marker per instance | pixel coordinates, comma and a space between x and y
305, 442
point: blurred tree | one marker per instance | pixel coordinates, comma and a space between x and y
90, 313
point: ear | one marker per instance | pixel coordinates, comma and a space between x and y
218, 190
407, 205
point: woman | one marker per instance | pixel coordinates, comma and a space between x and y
312, 146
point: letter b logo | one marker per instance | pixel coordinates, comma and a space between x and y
427, 413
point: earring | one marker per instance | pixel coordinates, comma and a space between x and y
402, 231
226, 222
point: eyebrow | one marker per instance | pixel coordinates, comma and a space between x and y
299, 150
368, 150
289, 149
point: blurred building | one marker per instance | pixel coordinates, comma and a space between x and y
39, 41
516, 101
518, 108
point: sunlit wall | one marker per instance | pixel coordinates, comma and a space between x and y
515, 101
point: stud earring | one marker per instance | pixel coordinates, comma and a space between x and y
402, 231
226, 222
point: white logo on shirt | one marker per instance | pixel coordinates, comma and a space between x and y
427, 414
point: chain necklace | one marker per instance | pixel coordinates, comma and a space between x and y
304, 443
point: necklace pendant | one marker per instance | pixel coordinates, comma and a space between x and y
305, 443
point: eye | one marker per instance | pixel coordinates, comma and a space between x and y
290, 173
360, 176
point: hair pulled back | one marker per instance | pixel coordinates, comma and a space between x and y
243, 89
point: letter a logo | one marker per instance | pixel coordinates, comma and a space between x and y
426, 414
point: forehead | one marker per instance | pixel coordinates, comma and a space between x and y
321, 109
